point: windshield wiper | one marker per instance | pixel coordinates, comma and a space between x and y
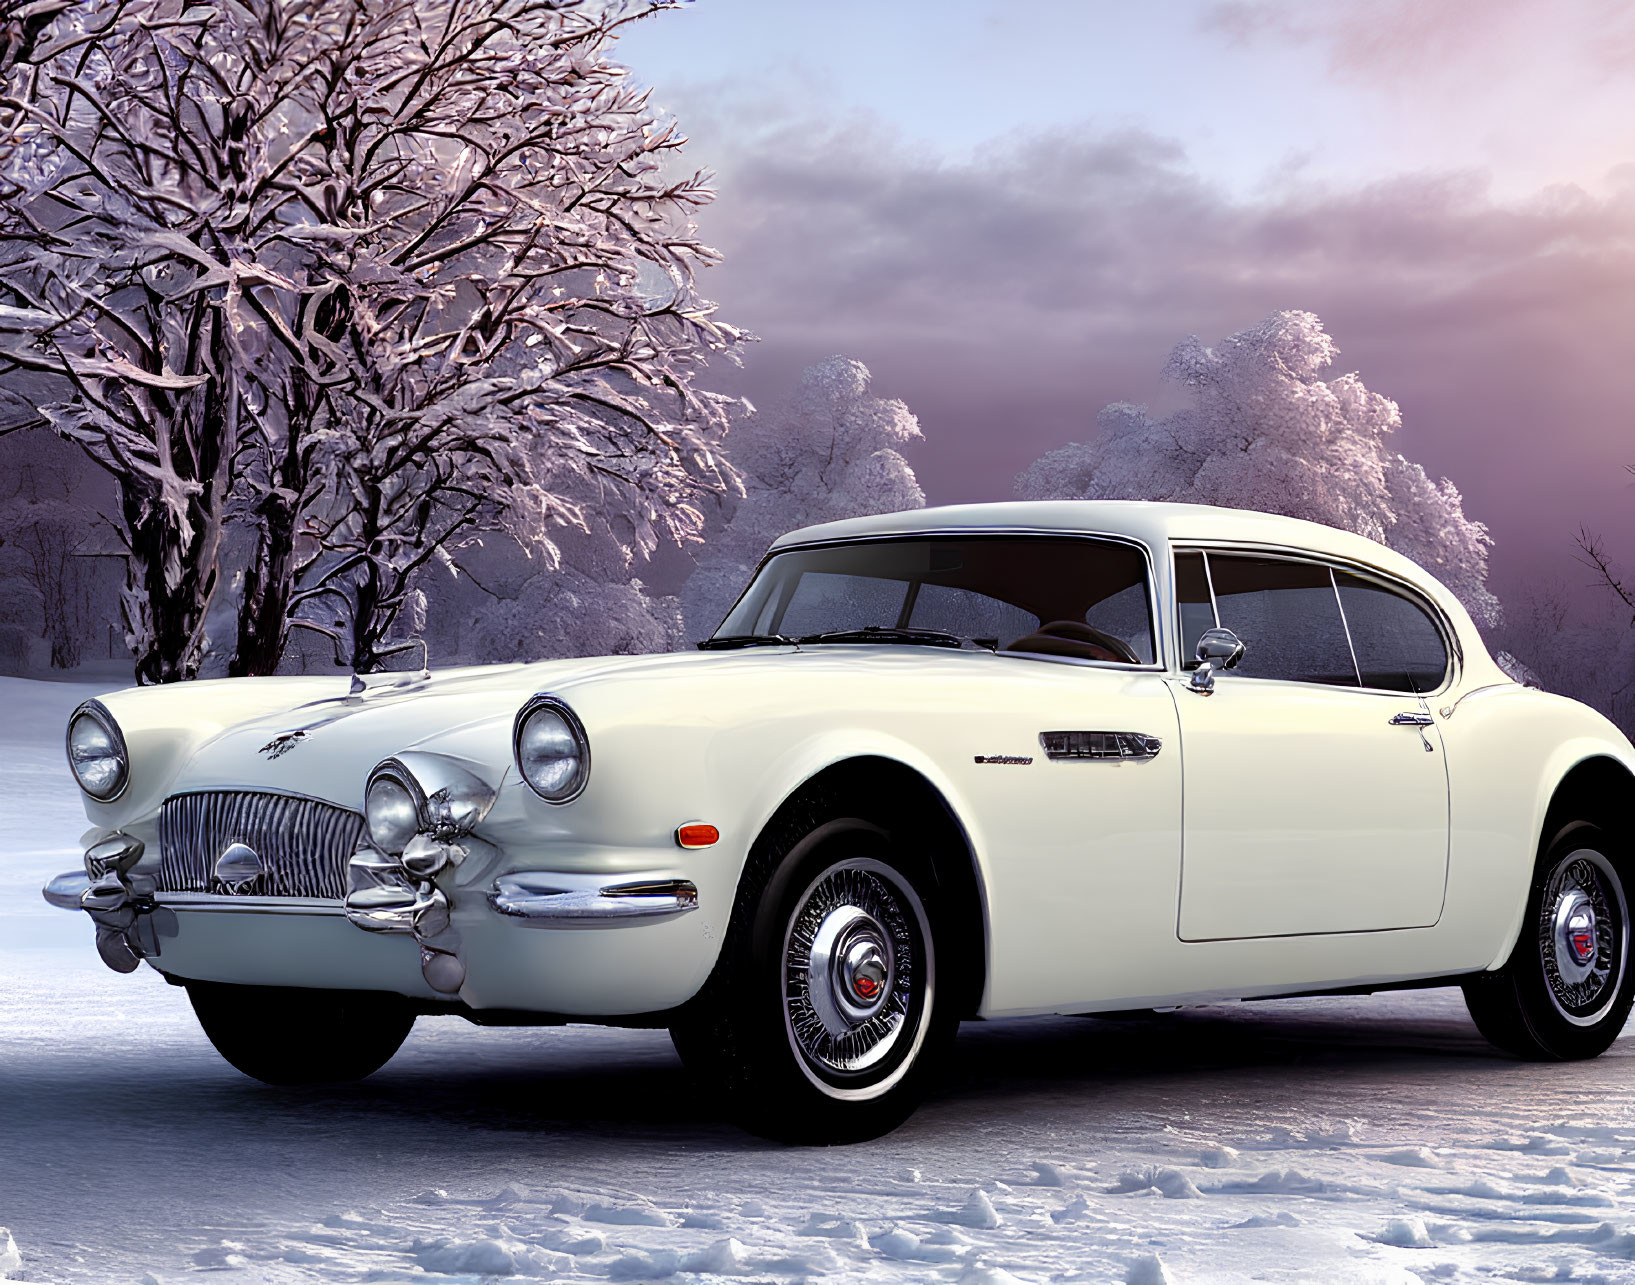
890, 633
725, 642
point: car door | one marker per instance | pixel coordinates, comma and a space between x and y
1064, 757
1315, 789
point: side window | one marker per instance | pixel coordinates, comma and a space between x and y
1398, 646
1288, 616
1197, 608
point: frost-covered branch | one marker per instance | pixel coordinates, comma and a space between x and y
378, 274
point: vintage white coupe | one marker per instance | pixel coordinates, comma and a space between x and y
947, 764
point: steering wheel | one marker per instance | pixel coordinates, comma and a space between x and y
1075, 638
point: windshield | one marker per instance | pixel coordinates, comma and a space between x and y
1050, 595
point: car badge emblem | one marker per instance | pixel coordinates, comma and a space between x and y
1019, 760
238, 867
283, 743
1581, 935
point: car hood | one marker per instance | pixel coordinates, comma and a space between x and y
318, 737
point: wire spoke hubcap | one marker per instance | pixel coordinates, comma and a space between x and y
853, 968
1583, 936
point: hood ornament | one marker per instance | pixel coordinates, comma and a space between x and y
283, 743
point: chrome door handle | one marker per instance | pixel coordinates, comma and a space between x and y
1411, 718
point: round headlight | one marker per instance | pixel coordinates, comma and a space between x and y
551, 750
96, 752
392, 814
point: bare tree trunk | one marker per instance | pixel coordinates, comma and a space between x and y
169, 583
172, 571
270, 579
263, 613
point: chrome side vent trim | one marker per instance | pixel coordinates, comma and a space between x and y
1099, 746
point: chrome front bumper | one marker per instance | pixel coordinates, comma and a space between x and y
428, 933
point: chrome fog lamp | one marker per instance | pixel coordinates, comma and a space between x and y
551, 750
392, 812
96, 752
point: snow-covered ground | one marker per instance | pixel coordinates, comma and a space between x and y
1335, 1140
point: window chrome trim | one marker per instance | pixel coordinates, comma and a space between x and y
1454, 665
1356, 668
1155, 617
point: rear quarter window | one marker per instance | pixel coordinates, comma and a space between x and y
1399, 646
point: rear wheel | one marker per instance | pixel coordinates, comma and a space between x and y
285, 1035
825, 1010
1566, 990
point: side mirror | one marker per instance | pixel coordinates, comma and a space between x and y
1217, 649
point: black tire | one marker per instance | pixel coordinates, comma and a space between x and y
1566, 990
294, 1036
756, 1038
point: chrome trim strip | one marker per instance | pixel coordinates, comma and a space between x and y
1209, 580
536, 898
239, 905
1334, 584
228, 787
1448, 710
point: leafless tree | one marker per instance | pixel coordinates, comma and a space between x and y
381, 272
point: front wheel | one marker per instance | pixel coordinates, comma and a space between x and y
282, 1035
824, 1012
1566, 990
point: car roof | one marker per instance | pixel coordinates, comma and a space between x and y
1152, 522
1156, 523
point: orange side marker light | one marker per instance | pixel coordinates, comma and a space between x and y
696, 834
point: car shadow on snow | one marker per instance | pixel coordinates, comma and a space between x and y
627, 1089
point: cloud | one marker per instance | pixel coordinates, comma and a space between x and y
1007, 298
1396, 41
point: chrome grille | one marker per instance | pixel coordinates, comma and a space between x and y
303, 843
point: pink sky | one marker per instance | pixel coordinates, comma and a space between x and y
1011, 213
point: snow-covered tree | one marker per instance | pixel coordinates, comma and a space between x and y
1265, 430
833, 451
568, 613
22, 24
385, 271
